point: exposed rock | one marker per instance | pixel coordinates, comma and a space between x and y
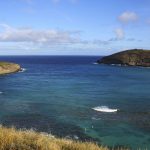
135, 57
6, 68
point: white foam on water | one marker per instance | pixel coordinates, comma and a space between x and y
95, 63
113, 64
94, 118
23, 70
104, 109
118, 65
1, 92
75, 137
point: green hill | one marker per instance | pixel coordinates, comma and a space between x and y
135, 57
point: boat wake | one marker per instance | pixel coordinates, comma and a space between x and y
104, 109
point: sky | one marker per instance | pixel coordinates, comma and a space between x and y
73, 27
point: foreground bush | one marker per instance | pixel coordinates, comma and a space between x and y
12, 139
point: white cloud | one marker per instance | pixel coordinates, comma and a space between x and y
30, 35
119, 34
49, 39
127, 17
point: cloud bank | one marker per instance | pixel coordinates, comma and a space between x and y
12, 38
37, 39
49, 36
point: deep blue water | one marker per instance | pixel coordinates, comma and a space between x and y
56, 94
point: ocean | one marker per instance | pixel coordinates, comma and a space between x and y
73, 97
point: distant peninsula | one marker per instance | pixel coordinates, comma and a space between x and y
134, 57
6, 68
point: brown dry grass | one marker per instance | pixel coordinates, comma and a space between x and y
12, 139
6, 68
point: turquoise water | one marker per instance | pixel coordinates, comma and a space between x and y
56, 94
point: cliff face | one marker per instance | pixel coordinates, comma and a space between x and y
6, 68
135, 57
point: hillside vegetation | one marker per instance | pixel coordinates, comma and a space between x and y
135, 57
12, 139
6, 68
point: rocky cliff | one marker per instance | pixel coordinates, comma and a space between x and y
135, 57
